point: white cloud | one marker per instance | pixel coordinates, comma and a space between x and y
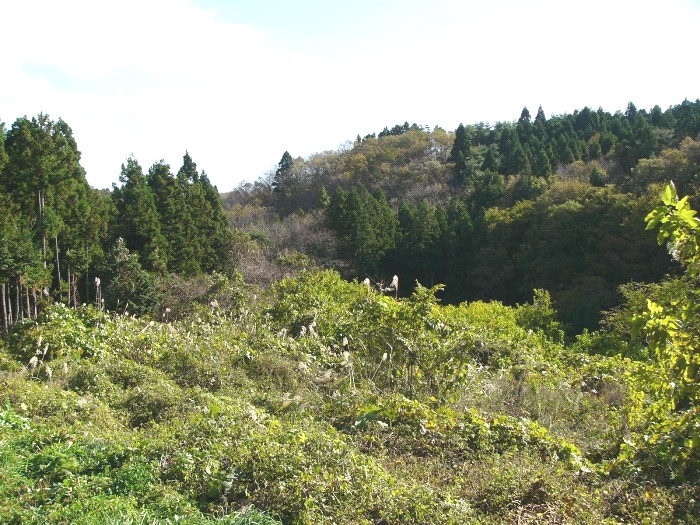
156, 77
184, 80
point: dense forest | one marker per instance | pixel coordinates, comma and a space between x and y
493, 325
492, 212
58, 234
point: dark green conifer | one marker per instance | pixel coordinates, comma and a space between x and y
43, 175
138, 222
461, 155
206, 228
175, 219
513, 157
285, 187
128, 287
490, 162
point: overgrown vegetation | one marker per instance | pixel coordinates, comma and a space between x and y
184, 392
330, 402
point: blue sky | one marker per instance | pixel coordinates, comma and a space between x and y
236, 83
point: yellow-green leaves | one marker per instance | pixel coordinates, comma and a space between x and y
673, 335
677, 223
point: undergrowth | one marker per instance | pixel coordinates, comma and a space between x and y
326, 402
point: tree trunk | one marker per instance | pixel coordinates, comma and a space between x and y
58, 272
70, 290
35, 300
87, 272
5, 324
18, 307
8, 290
41, 222
98, 293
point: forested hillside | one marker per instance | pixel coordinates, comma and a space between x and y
492, 212
495, 325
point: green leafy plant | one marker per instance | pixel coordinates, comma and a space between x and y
672, 332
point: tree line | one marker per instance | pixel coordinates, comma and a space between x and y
490, 211
57, 234
495, 211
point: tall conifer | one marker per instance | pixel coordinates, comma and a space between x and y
461, 155
138, 222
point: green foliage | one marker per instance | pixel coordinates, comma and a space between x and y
175, 218
563, 242
330, 402
285, 185
181, 296
327, 401
541, 315
59, 332
128, 286
174, 223
138, 222
367, 226
513, 157
610, 160
678, 225
409, 425
673, 335
461, 155
55, 222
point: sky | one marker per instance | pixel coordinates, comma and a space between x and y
237, 83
